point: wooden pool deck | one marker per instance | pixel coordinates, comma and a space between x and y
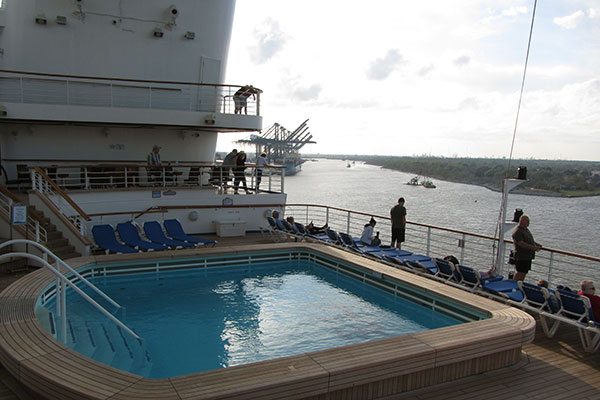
548, 368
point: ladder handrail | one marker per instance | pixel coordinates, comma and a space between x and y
61, 262
74, 287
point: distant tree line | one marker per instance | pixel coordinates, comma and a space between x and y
560, 177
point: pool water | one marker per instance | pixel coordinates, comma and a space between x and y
198, 320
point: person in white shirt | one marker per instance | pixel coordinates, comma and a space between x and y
368, 236
261, 161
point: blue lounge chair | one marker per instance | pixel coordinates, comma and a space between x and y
447, 270
278, 229
104, 236
508, 288
175, 230
578, 308
545, 302
154, 232
130, 235
334, 238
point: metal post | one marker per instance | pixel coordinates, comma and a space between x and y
550, 268
462, 248
428, 241
348, 224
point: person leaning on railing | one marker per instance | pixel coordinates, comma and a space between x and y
154, 163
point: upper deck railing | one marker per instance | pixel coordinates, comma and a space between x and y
115, 175
57, 89
475, 250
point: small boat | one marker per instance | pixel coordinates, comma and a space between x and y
428, 184
414, 181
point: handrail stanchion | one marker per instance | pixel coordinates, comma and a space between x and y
462, 248
550, 268
428, 241
348, 223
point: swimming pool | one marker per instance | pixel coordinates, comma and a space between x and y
376, 368
225, 314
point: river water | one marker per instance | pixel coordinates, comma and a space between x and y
569, 224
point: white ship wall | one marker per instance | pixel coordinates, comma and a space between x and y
115, 38
30, 144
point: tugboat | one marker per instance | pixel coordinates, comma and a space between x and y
428, 183
414, 181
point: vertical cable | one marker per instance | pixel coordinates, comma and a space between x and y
512, 145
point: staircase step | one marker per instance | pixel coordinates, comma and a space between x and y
70, 255
57, 243
51, 235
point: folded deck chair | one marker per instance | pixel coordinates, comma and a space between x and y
579, 309
104, 236
130, 235
542, 299
154, 232
175, 230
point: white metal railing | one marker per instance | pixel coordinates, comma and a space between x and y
126, 175
478, 251
33, 225
34, 88
47, 188
63, 282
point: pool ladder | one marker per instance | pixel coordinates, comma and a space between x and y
61, 285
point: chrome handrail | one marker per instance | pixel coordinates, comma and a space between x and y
61, 306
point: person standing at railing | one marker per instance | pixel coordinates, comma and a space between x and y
398, 215
154, 164
239, 172
228, 164
240, 98
261, 161
525, 248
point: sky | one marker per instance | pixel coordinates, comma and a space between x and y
439, 78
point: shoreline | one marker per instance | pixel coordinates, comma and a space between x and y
529, 192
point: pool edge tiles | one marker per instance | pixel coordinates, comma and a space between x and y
383, 367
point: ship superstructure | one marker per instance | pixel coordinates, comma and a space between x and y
89, 87
103, 81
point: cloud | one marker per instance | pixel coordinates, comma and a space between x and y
424, 71
594, 13
514, 11
270, 40
462, 60
569, 21
381, 68
307, 93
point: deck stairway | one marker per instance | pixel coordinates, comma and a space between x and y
56, 242
105, 342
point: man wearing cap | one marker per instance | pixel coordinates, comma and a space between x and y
154, 163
